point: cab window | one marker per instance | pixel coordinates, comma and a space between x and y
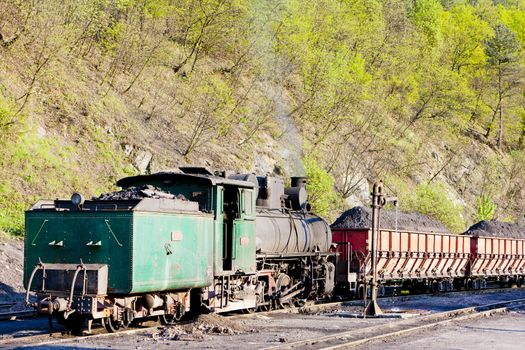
248, 202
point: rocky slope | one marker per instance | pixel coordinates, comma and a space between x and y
346, 92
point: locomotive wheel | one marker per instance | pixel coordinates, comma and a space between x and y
281, 285
250, 310
265, 307
110, 325
299, 302
168, 319
286, 304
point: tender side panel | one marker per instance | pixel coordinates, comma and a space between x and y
172, 251
93, 237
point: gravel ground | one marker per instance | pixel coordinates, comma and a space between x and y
258, 332
261, 331
499, 332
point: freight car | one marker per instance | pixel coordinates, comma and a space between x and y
495, 258
169, 243
438, 261
427, 261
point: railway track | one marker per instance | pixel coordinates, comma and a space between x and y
353, 338
46, 338
59, 337
10, 316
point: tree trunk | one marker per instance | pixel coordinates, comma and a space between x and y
500, 101
521, 145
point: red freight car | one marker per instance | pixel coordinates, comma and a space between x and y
437, 260
497, 258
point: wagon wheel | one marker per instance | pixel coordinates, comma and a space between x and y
434, 286
110, 325
468, 284
381, 290
361, 291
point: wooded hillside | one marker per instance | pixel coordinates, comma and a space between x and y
428, 95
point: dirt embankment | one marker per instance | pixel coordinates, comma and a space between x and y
496, 229
12, 290
361, 217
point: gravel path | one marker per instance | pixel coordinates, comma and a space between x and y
501, 332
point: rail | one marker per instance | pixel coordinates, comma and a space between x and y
357, 337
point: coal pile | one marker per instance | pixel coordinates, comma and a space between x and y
361, 217
196, 329
137, 193
496, 229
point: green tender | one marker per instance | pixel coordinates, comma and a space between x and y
144, 251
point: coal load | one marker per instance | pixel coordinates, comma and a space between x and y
361, 217
496, 229
137, 193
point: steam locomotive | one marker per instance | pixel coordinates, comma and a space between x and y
195, 241
174, 242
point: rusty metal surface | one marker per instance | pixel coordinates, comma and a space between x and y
496, 256
404, 255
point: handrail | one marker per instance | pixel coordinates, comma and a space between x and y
80, 267
39, 266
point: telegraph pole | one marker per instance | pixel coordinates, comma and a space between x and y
378, 201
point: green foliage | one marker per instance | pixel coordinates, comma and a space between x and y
514, 19
12, 206
433, 200
486, 208
463, 36
371, 87
503, 47
8, 119
426, 15
110, 36
322, 195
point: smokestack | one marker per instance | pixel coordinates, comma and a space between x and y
298, 181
